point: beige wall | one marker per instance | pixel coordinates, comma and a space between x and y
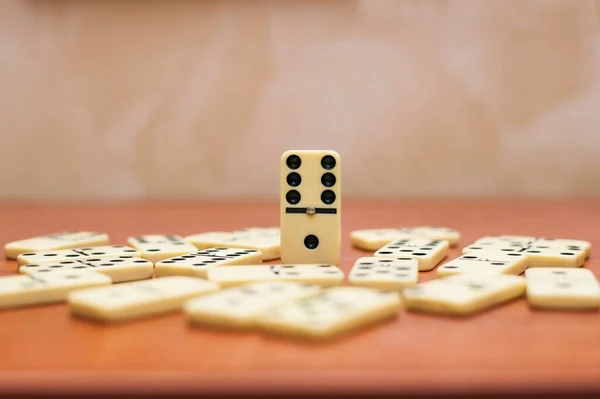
199, 98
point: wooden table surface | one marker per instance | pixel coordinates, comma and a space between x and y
508, 349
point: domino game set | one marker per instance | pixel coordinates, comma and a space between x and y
219, 279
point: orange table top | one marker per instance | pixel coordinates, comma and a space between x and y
508, 349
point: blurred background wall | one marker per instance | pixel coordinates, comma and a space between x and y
145, 99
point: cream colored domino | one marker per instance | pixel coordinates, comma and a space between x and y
198, 263
485, 262
262, 231
374, 239
436, 233
504, 243
331, 313
495, 246
569, 245
513, 239
76, 254
554, 257
264, 239
384, 273
28, 290
138, 299
56, 241
157, 247
323, 275
428, 252
463, 294
119, 268
240, 307
562, 288
310, 214
516, 243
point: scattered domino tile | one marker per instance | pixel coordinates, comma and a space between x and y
310, 207
514, 239
570, 245
27, 290
119, 268
495, 246
157, 247
322, 275
562, 288
264, 239
523, 243
463, 294
437, 233
384, 273
428, 252
75, 253
138, 299
52, 242
374, 239
198, 263
495, 262
241, 306
332, 312
554, 257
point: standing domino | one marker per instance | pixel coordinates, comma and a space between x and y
428, 252
138, 299
310, 214
384, 273
76, 254
323, 275
198, 263
62, 240
240, 307
26, 290
157, 247
332, 312
118, 268
562, 288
